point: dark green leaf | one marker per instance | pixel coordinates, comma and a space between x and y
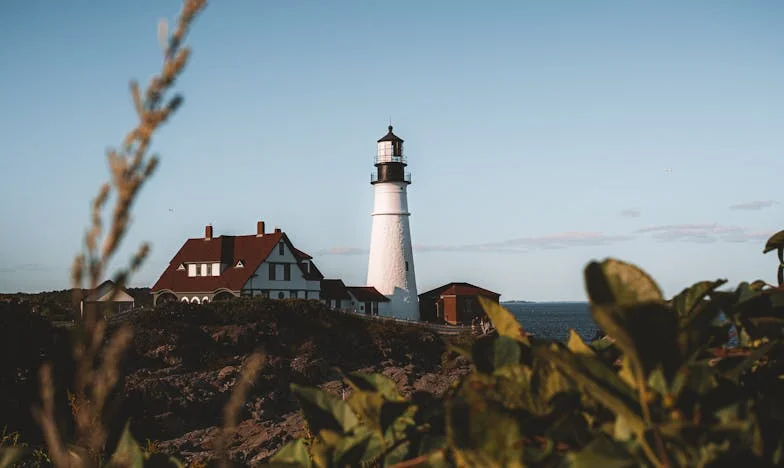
324, 411
619, 283
685, 302
128, 453
294, 452
647, 333
776, 241
358, 449
599, 383
506, 352
373, 383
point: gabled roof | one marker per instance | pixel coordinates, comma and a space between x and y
105, 288
460, 289
367, 294
300, 254
253, 250
390, 136
334, 289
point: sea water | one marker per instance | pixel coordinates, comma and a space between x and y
552, 320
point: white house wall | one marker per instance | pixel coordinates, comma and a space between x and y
297, 281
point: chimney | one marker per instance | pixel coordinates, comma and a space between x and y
260, 229
277, 229
208, 232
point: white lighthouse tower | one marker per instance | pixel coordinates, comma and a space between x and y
391, 262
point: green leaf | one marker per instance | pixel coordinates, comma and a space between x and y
128, 453
776, 241
506, 352
324, 411
599, 383
647, 333
685, 302
577, 345
505, 323
358, 449
619, 283
294, 452
373, 383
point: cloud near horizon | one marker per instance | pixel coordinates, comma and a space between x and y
754, 205
516, 245
631, 213
703, 233
22, 267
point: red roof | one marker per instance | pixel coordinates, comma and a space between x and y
228, 250
461, 289
367, 294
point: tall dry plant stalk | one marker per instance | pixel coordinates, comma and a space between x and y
250, 370
130, 167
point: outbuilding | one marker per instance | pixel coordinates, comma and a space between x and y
454, 303
108, 297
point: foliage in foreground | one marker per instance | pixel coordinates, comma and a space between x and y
664, 388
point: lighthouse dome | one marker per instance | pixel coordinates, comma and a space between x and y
390, 136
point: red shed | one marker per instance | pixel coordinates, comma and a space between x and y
454, 303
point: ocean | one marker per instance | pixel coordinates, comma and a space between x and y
553, 320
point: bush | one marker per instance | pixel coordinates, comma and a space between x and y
664, 387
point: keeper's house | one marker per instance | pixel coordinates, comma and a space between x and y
263, 264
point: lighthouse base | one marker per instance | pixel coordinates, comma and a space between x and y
400, 306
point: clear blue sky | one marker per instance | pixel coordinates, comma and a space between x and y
540, 135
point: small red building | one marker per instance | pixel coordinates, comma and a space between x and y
454, 303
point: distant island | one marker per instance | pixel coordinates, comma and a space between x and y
517, 302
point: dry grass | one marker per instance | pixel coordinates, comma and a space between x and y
130, 167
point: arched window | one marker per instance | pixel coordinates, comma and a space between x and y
184, 299
195, 300
205, 300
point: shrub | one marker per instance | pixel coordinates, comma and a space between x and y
663, 388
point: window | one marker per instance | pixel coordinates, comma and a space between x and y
281, 248
406, 266
191, 269
281, 295
239, 264
181, 267
287, 272
204, 270
272, 271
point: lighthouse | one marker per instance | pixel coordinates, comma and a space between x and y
391, 262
